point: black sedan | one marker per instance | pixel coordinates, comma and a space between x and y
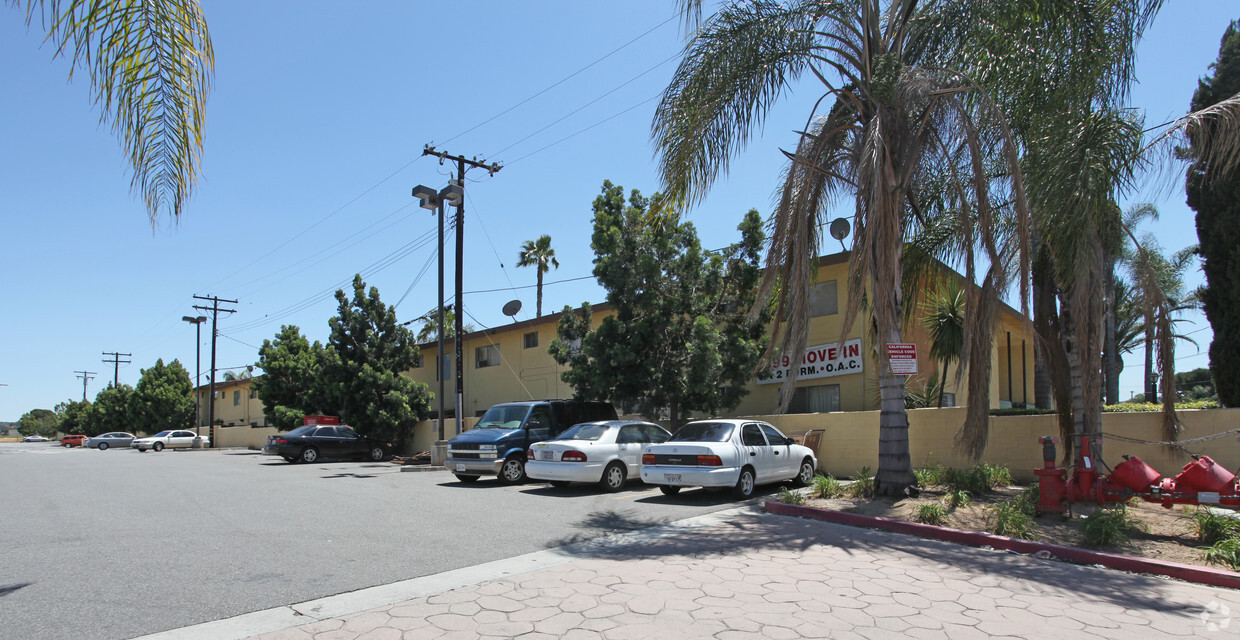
311, 442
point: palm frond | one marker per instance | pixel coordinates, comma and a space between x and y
150, 64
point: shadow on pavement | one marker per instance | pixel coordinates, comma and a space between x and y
7, 589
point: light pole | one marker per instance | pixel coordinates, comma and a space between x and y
435, 202
197, 322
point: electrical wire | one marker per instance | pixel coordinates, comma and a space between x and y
531, 286
574, 135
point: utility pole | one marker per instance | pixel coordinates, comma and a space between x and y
461, 165
85, 377
215, 332
116, 360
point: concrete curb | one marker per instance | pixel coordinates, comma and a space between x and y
1191, 573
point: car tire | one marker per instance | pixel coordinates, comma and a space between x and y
103, 446
466, 479
377, 454
613, 477
140, 449
66, 445
512, 471
290, 459
559, 484
158, 446
744, 485
669, 491
309, 455
805, 474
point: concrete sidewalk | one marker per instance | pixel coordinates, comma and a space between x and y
742, 573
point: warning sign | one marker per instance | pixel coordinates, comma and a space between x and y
903, 357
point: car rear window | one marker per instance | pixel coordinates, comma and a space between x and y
703, 432
584, 431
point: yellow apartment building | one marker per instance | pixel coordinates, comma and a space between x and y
511, 362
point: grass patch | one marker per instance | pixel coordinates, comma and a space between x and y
977, 480
1212, 528
930, 477
863, 485
1225, 552
1108, 526
827, 487
1008, 519
931, 513
790, 497
958, 498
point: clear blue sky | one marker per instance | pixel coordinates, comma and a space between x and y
314, 137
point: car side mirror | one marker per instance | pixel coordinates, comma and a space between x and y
790, 440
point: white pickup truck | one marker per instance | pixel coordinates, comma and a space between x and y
176, 439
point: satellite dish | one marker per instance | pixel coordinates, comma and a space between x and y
839, 229
512, 307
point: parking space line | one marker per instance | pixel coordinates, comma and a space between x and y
640, 495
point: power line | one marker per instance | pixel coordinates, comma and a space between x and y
574, 135
85, 377
531, 286
116, 360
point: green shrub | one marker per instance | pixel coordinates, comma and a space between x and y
1027, 500
863, 485
1150, 407
1006, 519
1108, 526
977, 480
1225, 552
790, 497
930, 477
931, 513
1211, 527
957, 498
827, 487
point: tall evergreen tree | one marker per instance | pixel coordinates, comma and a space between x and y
162, 399
681, 337
363, 366
291, 385
112, 411
1214, 193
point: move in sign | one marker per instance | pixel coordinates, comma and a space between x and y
821, 361
903, 357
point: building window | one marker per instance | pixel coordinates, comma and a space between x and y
824, 299
531, 340
949, 399
444, 370
486, 356
816, 399
237, 398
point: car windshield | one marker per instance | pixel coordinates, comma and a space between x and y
503, 416
584, 431
703, 432
161, 434
303, 430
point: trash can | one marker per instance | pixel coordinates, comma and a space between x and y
197, 444
439, 451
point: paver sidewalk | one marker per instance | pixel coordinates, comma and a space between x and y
752, 575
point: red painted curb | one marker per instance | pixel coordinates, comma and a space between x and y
1192, 573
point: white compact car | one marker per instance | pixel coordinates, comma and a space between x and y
178, 439
736, 454
606, 453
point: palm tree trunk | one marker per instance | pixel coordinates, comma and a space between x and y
942, 383
1151, 388
540, 281
1110, 366
894, 477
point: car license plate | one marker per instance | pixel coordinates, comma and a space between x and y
460, 467
671, 478
546, 455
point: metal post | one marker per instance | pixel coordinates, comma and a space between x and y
439, 360
198, 376
460, 295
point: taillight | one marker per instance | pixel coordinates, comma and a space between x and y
647, 458
573, 456
529, 454
281, 440
709, 461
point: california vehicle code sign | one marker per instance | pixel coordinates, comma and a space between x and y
822, 361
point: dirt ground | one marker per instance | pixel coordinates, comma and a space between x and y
1165, 534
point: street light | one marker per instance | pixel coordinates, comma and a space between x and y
435, 200
197, 322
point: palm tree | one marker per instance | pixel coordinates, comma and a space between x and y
903, 100
150, 66
1114, 244
944, 321
538, 253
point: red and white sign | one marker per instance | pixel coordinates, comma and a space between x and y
903, 357
320, 420
822, 361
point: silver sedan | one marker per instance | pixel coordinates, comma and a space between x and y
115, 439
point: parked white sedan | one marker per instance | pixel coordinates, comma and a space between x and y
739, 454
606, 453
173, 439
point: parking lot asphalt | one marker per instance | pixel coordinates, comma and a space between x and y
117, 544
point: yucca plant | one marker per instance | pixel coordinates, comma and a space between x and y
1212, 528
1225, 552
931, 513
1108, 526
1006, 519
790, 497
957, 498
827, 487
863, 485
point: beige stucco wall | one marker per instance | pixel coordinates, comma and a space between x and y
850, 440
